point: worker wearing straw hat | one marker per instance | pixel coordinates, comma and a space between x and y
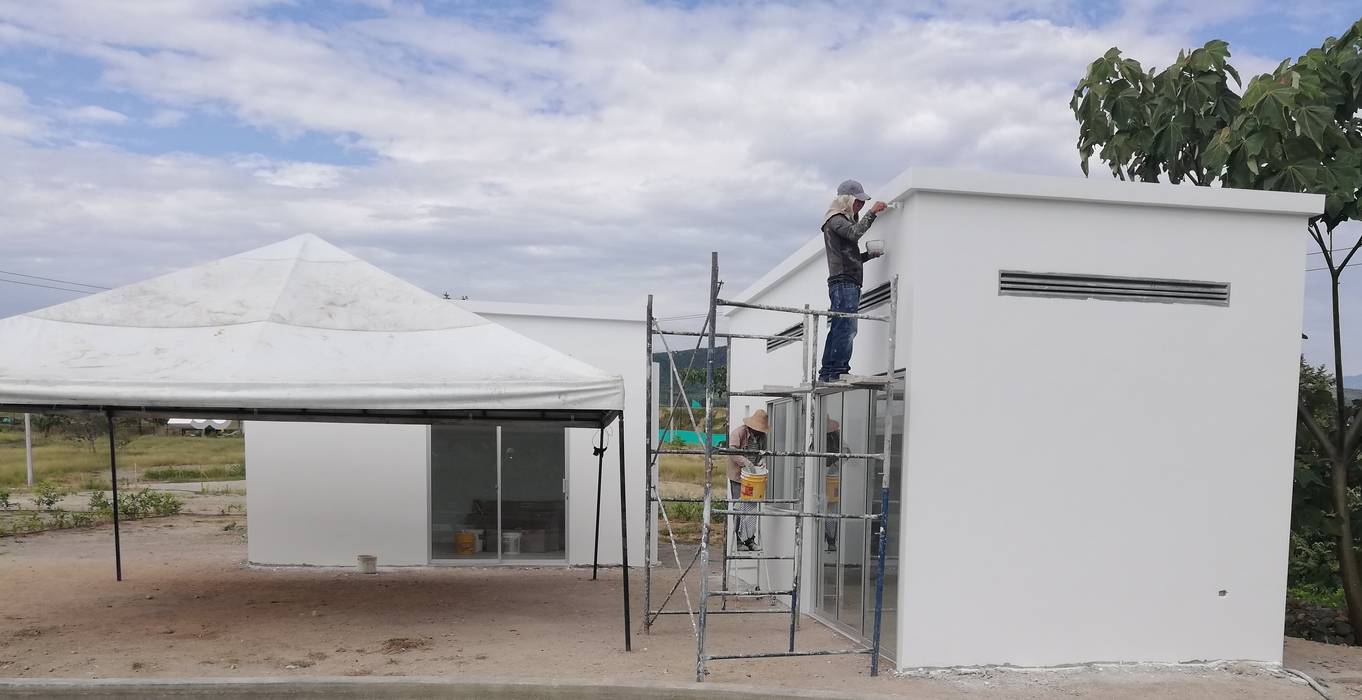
750, 435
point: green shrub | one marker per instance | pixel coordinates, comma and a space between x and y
692, 512
45, 495
4, 500
28, 521
1318, 595
82, 519
685, 512
225, 473
164, 503
99, 503
144, 503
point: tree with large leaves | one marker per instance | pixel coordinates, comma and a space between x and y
1296, 129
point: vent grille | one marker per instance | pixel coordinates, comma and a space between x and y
869, 299
1071, 286
874, 297
793, 334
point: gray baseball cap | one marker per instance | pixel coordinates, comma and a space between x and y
854, 189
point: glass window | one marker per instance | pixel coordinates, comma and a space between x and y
481, 509
463, 491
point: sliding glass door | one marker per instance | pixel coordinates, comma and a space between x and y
847, 551
498, 493
533, 486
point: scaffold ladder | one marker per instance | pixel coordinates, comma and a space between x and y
795, 508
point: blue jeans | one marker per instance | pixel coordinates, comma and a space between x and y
845, 296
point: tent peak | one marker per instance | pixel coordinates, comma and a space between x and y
306, 246
302, 281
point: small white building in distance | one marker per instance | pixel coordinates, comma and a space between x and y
1093, 422
322, 493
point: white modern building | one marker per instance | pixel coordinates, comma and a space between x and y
1093, 429
404, 493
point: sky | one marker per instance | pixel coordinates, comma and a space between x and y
588, 151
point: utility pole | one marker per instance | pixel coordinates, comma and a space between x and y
28, 447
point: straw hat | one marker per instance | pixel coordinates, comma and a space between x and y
833, 425
757, 421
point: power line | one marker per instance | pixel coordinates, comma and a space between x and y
46, 286
51, 279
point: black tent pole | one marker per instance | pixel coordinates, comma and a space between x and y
600, 470
624, 536
113, 481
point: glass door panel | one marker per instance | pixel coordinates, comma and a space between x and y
829, 490
852, 549
463, 492
533, 505
889, 618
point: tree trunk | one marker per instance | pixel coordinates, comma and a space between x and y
1347, 554
1348, 569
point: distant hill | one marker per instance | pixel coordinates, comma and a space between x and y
1352, 381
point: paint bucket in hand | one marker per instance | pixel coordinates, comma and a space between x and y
832, 488
752, 486
875, 247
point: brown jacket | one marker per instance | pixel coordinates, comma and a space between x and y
743, 437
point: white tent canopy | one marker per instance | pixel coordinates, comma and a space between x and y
298, 326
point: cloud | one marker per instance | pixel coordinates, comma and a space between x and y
17, 119
307, 176
583, 152
166, 118
92, 114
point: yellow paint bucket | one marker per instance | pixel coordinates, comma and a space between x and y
753, 487
832, 487
466, 543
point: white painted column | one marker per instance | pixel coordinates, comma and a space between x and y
28, 447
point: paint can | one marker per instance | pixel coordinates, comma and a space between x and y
753, 486
876, 247
466, 543
832, 488
368, 564
510, 542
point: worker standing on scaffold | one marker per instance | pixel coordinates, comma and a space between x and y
843, 227
750, 435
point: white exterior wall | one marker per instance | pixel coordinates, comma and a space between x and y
316, 493
616, 345
324, 493
1082, 478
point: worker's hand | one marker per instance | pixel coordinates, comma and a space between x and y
872, 254
878, 207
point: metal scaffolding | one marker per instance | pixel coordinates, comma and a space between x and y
796, 508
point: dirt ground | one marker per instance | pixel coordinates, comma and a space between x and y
190, 607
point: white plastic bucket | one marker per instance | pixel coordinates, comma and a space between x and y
510, 542
368, 564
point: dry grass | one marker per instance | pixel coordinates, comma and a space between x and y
62, 460
689, 469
